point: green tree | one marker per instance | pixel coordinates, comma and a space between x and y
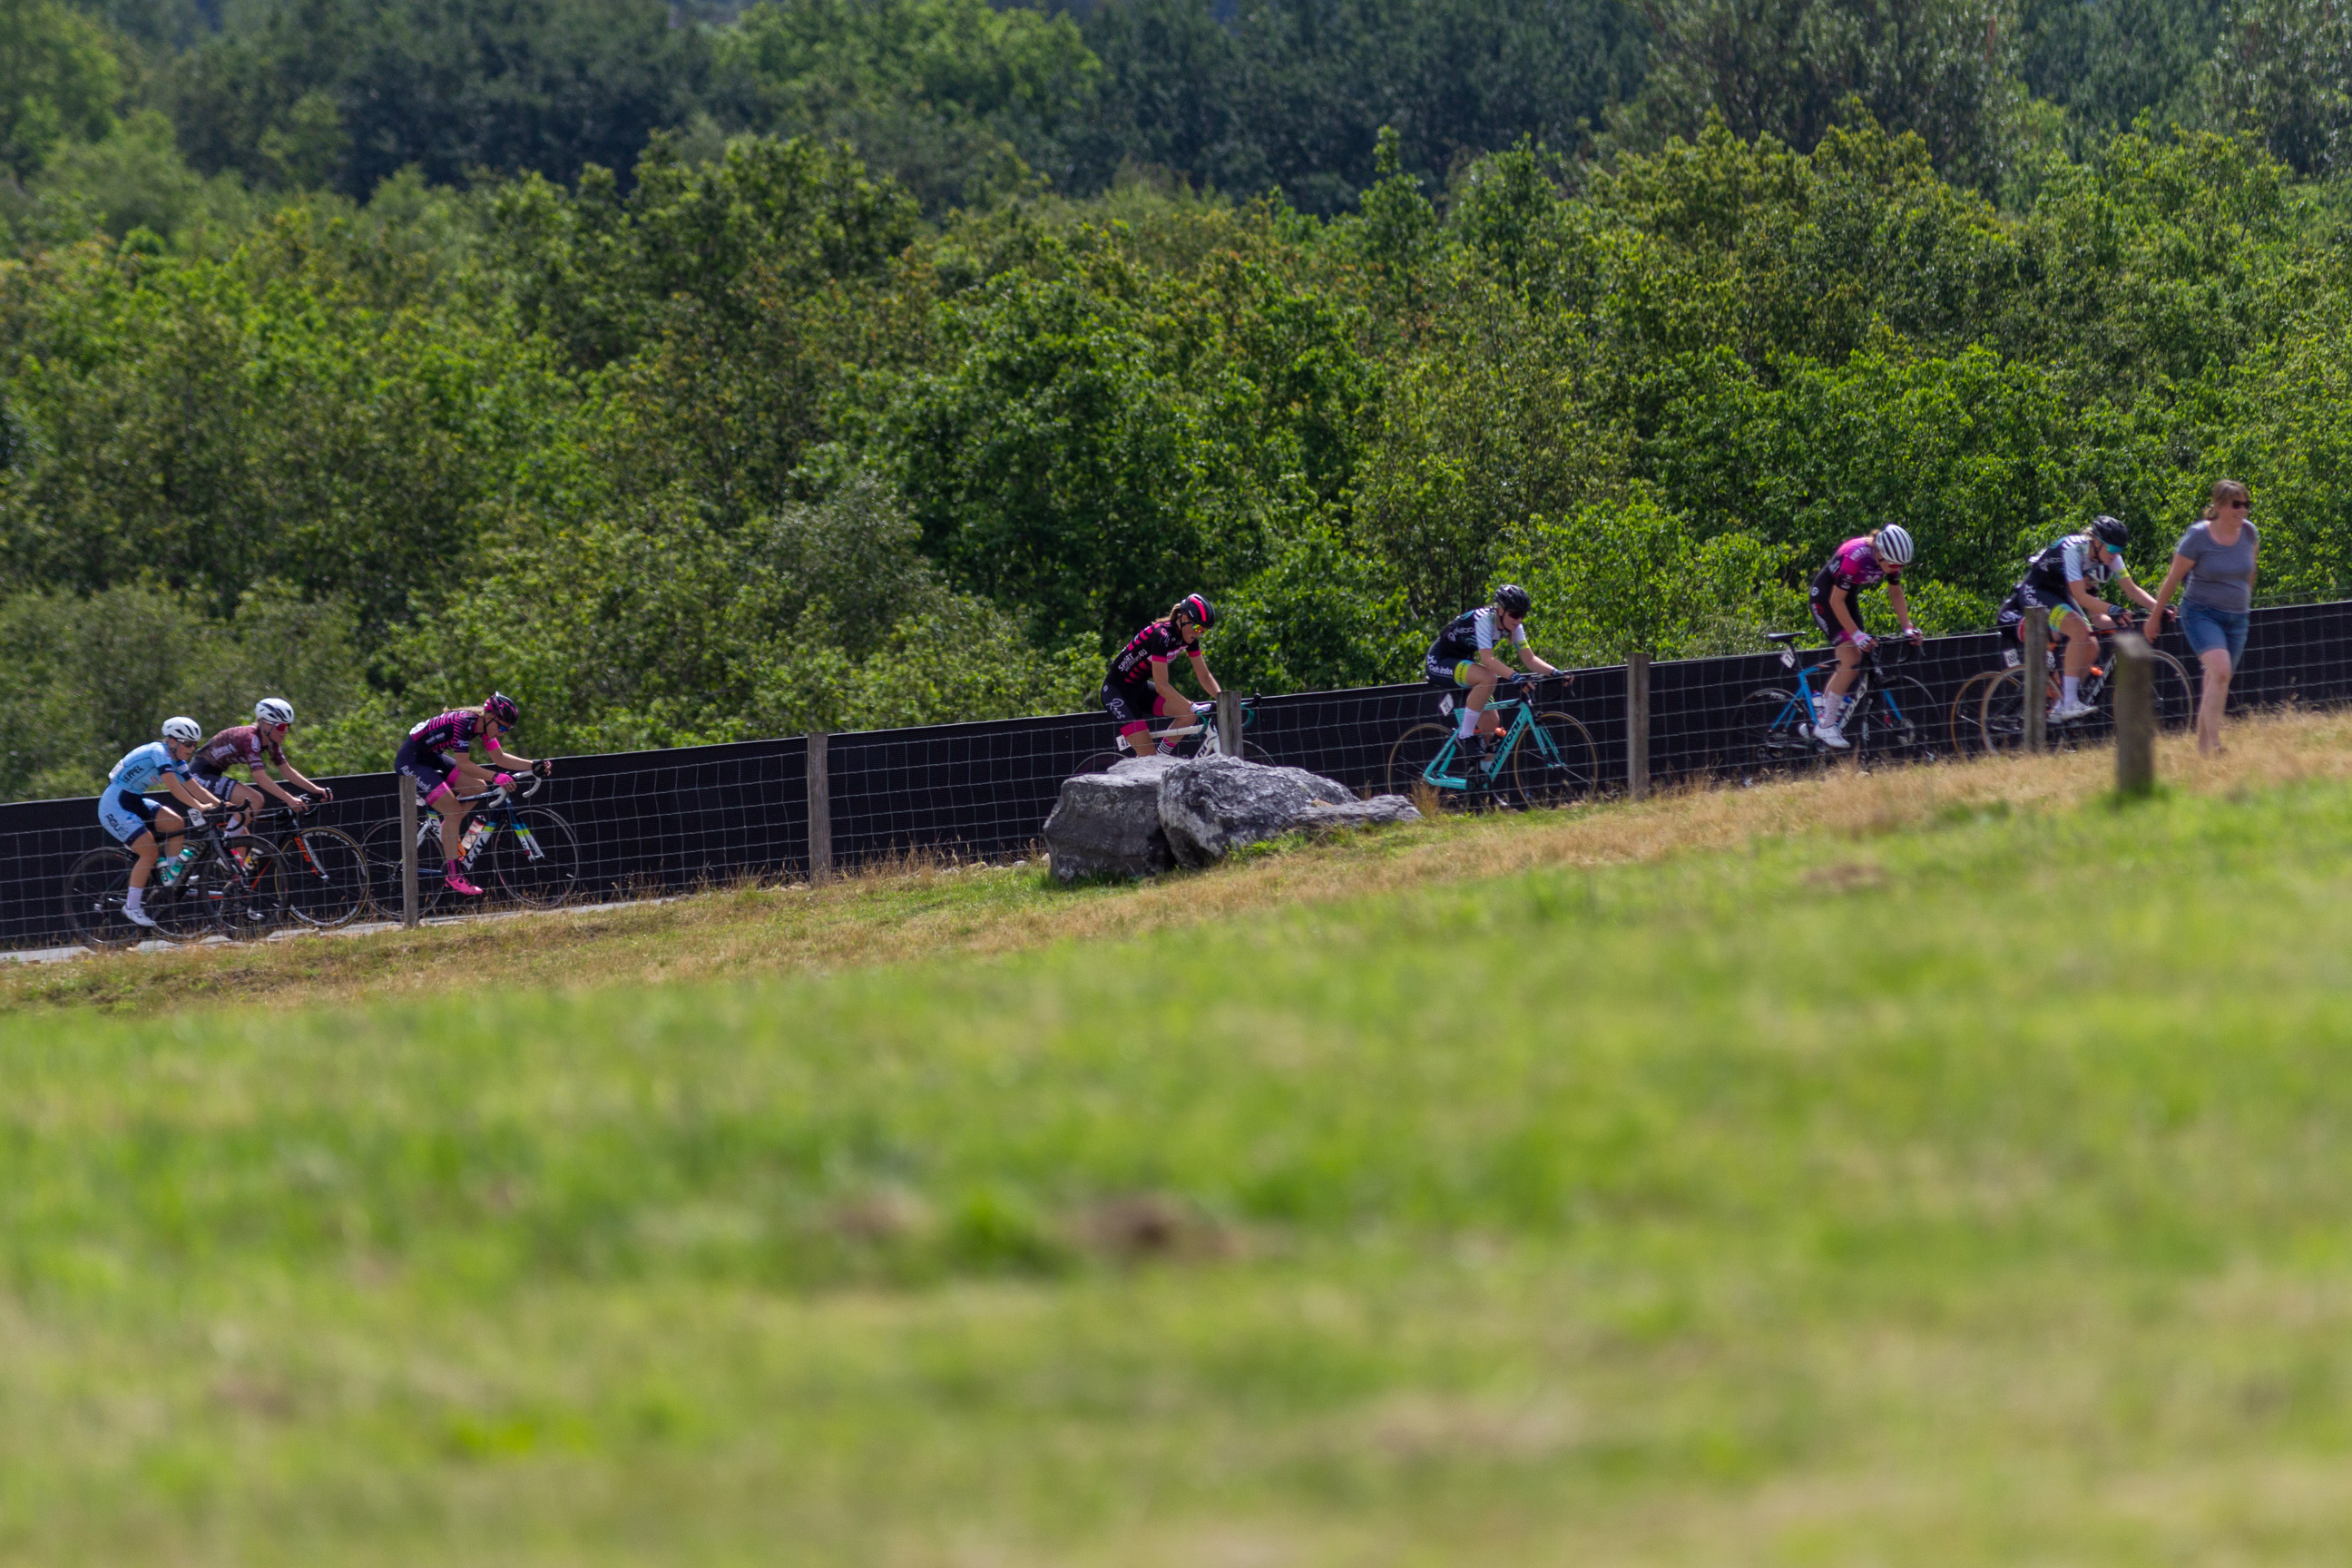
58, 81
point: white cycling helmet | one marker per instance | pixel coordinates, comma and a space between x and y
273, 711
1892, 543
185, 731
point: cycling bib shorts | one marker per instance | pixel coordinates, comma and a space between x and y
126, 814
423, 764
1131, 707
1451, 674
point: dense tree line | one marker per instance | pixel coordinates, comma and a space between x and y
844, 364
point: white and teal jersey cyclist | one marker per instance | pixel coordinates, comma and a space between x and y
1465, 655
124, 810
2065, 578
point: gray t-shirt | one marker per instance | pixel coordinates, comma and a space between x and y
2223, 578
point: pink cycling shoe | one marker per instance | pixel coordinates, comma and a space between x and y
456, 883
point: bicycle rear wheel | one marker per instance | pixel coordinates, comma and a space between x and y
1779, 730
1566, 772
326, 878
381, 849
95, 888
1409, 760
535, 858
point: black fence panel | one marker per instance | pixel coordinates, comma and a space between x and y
666, 821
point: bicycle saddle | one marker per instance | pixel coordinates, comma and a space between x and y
1784, 638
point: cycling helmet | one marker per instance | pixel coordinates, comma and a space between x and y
1203, 614
502, 707
1512, 597
273, 711
185, 731
2112, 531
1894, 546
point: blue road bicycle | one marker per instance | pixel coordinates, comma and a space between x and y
1888, 717
1541, 758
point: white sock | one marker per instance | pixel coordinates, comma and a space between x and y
1465, 721
2070, 686
1832, 702
135, 900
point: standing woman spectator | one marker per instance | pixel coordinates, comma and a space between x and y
2215, 557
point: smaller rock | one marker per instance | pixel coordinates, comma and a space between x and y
1378, 810
1109, 823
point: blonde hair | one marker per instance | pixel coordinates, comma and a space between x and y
2230, 491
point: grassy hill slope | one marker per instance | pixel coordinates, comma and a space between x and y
1753, 1179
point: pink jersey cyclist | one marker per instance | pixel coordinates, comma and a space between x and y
1859, 564
1854, 567
436, 757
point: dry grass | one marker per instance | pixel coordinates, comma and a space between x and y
917, 908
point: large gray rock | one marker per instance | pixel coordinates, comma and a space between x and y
1213, 805
1111, 823
1372, 813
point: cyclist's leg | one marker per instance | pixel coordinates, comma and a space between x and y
1134, 733
1479, 690
2077, 644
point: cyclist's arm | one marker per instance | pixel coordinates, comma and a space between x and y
1528, 657
190, 793
2094, 608
505, 761
1492, 662
2134, 592
1209, 686
259, 772
293, 776
1902, 607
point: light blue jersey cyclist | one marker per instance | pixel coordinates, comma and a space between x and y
124, 810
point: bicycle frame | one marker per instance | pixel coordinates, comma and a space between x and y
1522, 722
1205, 724
1803, 707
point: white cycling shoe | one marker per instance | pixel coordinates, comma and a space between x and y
139, 917
1832, 736
2066, 712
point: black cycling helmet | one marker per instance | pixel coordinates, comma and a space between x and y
502, 707
1203, 613
2112, 531
1512, 597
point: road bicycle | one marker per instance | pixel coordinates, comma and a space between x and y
1989, 714
527, 855
1198, 738
323, 870
233, 886
1541, 758
1887, 718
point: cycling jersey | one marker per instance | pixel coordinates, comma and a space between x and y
1855, 567
1155, 643
1470, 634
242, 746
2068, 561
454, 730
140, 769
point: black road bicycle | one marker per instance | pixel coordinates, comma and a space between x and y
233, 886
1989, 714
526, 855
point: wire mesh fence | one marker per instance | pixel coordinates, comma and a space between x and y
636, 824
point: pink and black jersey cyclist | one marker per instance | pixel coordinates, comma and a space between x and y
1859, 564
458, 752
1138, 688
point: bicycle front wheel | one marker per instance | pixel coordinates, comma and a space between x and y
95, 888
1897, 723
1557, 765
249, 903
535, 857
1965, 733
326, 878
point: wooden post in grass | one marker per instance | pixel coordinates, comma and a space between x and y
408, 900
820, 809
1637, 725
2135, 715
2033, 680
1229, 723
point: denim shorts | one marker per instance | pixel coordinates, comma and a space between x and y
2208, 628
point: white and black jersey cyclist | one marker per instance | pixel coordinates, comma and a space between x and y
1466, 659
2064, 578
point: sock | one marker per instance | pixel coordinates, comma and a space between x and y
2070, 686
448, 870
1832, 702
1465, 721
136, 899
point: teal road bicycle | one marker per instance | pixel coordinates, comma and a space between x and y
1543, 757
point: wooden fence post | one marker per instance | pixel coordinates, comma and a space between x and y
1637, 725
2033, 680
1229, 723
820, 808
2135, 715
408, 899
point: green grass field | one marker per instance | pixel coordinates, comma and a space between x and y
1975, 1193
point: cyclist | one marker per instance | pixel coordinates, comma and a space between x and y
439, 753
259, 748
124, 810
1463, 658
2059, 579
1861, 563
1138, 686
